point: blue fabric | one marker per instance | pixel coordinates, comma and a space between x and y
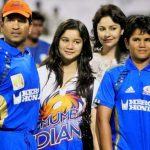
17, 140
19, 97
37, 52
130, 120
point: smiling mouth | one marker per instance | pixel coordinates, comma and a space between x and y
142, 51
107, 40
69, 53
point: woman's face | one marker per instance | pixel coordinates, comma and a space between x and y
70, 45
108, 32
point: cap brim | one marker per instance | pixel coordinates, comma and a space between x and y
17, 12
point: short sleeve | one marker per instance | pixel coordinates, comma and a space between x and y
105, 94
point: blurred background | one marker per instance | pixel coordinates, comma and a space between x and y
56, 11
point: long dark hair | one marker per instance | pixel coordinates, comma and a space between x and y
85, 74
117, 15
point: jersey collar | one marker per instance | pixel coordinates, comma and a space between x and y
12, 50
131, 66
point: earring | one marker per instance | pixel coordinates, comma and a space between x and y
122, 32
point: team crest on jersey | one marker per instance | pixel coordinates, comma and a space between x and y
146, 90
60, 119
17, 81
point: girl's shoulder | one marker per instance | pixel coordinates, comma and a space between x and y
42, 69
45, 76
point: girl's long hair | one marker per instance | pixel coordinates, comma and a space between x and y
85, 74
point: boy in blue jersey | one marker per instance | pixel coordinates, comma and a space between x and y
124, 93
19, 81
39, 48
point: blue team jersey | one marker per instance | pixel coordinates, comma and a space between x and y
130, 103
19, 98
40, 51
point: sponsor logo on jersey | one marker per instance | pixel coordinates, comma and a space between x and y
26, 95
146, 90
130, 90
17, 81
136, 104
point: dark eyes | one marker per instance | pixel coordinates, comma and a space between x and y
148, 39
103, 29
20, 20
138, 39
67, 40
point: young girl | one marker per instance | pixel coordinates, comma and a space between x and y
67, 90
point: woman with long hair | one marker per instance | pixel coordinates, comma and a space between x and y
108, 43
66, 80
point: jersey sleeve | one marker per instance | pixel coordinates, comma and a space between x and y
4, 66
2, 60
105, 94
96, 85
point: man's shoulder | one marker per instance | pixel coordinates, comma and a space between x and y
4, 62
42, 42
4, 47
116, 68
115, 71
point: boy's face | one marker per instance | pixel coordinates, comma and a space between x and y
139, 46
15, 28
37, 29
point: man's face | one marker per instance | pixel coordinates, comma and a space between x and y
37, 29
15, 28
139, 46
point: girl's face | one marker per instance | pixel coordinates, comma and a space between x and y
70, 45
108, 32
